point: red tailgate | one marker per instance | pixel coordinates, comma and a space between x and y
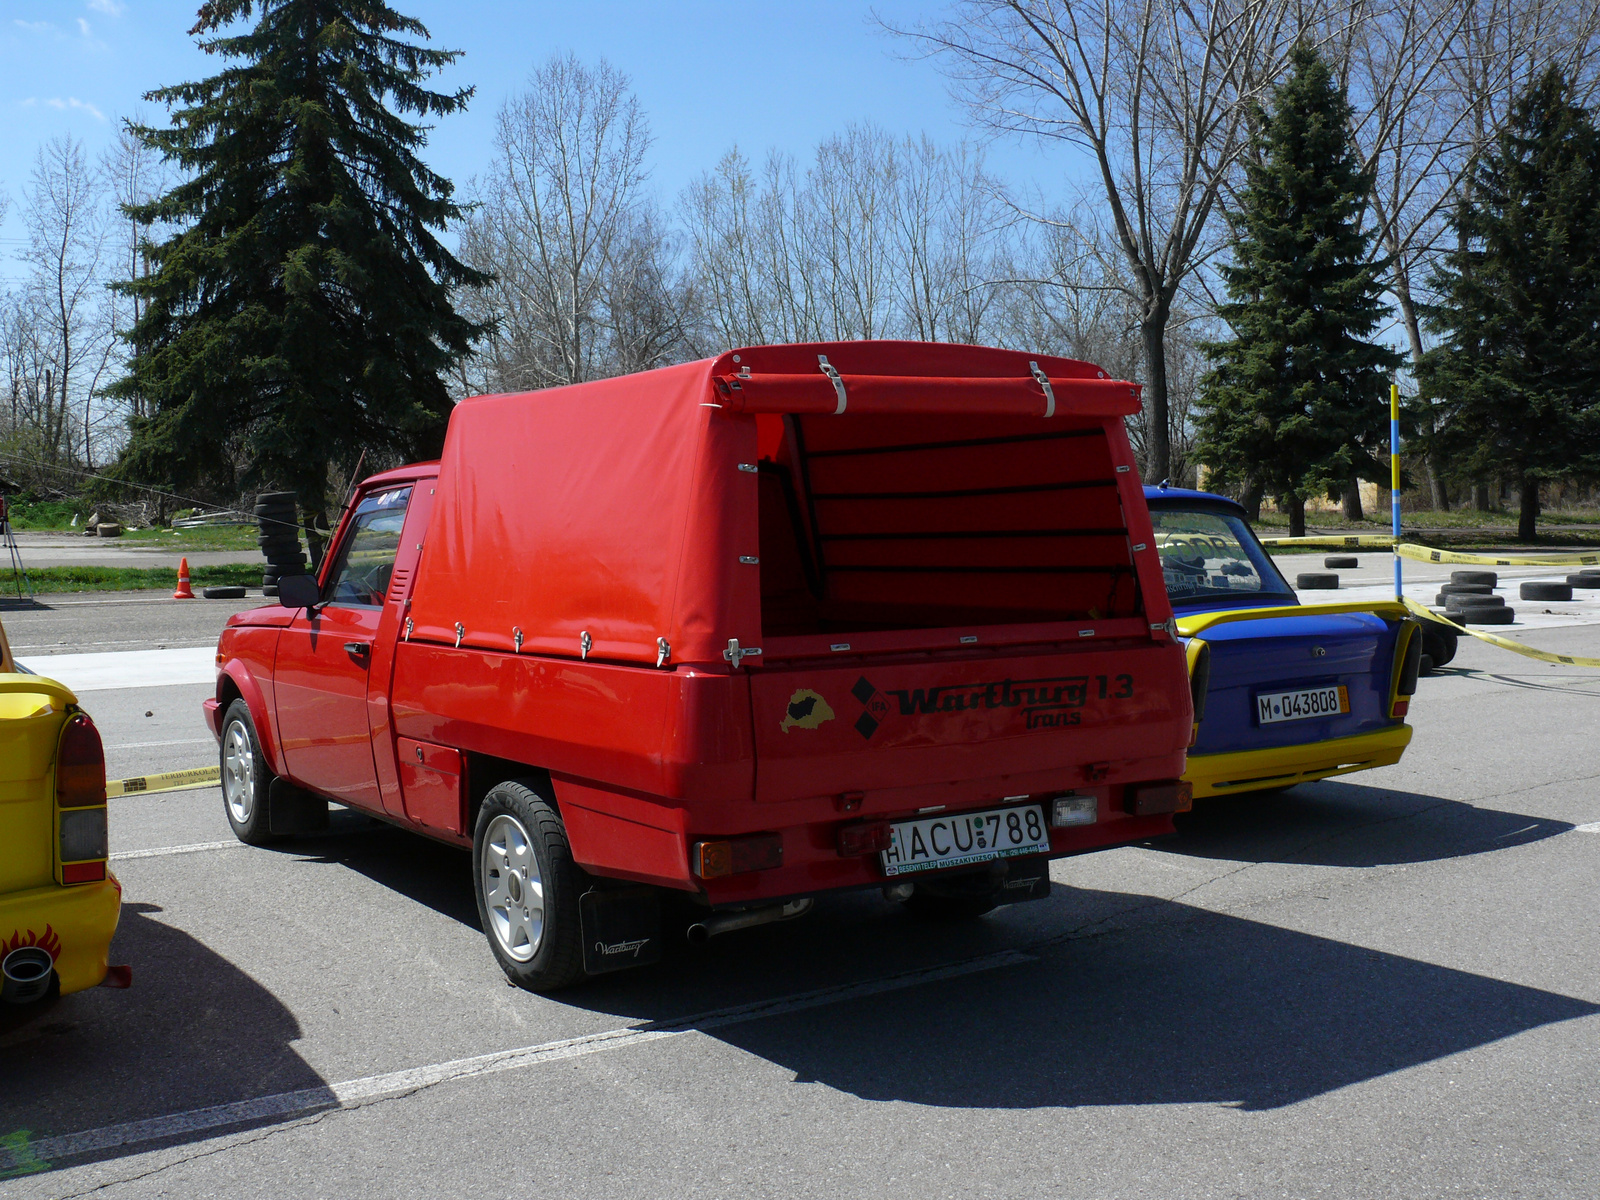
830, 728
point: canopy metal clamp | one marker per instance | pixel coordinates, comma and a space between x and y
1043, 381
833, 375
461, 632
516, 638
736, 655
586, 643
663, 651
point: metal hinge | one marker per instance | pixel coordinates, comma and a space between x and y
736, 655
1043, 381
838, 384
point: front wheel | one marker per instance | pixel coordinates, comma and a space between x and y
527, 887
245, 777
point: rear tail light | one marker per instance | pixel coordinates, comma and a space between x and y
81, 847
1152, 799
713, 860
80, 765
1407, 667
1074, 810
871, 838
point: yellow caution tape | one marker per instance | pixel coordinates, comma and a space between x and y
1569, 660
168, 781
1381, 541
1425, 554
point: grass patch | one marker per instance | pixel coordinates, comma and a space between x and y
216, 537
133, 579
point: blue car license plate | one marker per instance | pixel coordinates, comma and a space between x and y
1301, 704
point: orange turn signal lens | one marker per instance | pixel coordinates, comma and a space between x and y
713, 860
1152, 799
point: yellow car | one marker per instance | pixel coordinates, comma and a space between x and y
59, 903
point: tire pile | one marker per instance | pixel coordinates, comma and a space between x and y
279, 538
1469, 599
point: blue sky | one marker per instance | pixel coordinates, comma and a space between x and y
708, 74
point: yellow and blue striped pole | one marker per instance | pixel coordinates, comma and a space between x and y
1394, 478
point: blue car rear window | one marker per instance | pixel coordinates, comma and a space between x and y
1213, 556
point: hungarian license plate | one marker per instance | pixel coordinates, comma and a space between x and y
1298, 705
954, 840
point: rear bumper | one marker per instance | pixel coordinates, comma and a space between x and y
82, 918
1281, 766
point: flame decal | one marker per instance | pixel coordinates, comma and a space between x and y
48, 941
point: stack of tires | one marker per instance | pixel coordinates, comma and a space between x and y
279, 538
1469, 599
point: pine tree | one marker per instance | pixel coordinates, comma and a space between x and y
300, 313
1518, 366
1297, 399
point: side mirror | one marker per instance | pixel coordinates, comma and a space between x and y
298, 591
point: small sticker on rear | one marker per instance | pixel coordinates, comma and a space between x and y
807, 710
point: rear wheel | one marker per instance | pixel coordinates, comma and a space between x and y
245, 777
527, 888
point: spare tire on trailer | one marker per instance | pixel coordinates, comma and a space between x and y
1316, 581
1336, 561
1488, 577
1534, 590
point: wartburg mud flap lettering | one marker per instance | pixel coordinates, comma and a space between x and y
621, 929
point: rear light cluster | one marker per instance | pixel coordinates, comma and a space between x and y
714, 860
81, 843
1407, 667
1153, 799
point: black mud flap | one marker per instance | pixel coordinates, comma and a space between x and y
621, 929
294, 810
1026, 879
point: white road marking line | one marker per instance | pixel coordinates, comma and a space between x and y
205, 741
112, 669
287, 1105
159, 851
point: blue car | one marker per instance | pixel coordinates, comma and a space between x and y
1285, 693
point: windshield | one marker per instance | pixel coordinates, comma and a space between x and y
1211, 556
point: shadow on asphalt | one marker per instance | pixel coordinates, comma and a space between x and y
1339, 824
1176, 1004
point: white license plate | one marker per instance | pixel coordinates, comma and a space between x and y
1298, 705
956, 839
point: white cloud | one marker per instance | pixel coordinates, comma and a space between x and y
111, 8
83, 27
34, 26
70, 103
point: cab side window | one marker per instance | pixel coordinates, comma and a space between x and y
360, 576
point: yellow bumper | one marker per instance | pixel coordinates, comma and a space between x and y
1281, 766
74, 923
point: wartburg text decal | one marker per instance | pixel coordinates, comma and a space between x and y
1047, 703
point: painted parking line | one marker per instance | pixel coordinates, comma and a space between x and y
162, 851
201, 741
352, 1092
111, 669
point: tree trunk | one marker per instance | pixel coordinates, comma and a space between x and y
1528, 510
1482, 499
1352, 499
1158, 462
1252, 500
1295, 505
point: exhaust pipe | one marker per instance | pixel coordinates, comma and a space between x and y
26, 972
702, 932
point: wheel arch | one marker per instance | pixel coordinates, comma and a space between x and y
235, 682
484, 771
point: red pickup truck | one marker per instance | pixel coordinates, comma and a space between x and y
791, 620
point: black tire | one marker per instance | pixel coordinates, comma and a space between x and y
288, 564
1546, 591
1475, 601
246, 780
276, 498
1336, 562
1466, 589
230, 592
517, 826
1488, 577
273, 541
928, 906
1438, 643
1584, 580
1486, 616
269, 589
1316, 581
1425, 665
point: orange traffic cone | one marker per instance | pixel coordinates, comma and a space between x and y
184, 592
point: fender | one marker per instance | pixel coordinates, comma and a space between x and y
250, 692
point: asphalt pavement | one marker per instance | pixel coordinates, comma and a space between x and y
1378, 986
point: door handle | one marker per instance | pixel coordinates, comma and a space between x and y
357, 650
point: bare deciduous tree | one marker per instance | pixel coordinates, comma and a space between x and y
1158, 93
